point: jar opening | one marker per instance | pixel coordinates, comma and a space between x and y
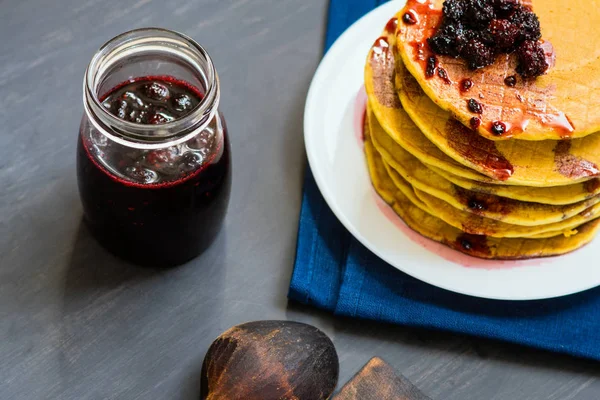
150, 52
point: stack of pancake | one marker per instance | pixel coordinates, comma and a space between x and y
531, 191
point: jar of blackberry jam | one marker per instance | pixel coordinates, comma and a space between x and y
153, 157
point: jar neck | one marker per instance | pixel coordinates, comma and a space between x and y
145, 52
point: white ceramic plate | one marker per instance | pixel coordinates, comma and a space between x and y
332, 129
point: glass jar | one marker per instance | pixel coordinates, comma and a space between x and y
153, 194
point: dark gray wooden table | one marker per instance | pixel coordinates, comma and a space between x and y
76, 323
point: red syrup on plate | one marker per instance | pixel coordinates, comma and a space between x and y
154, 207
446, 252
360, 115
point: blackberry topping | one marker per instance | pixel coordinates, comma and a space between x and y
477, 54
532, 60
454, 10
475, 123
448, 40
442, 73
466, 85
498, 128
157, 91
478, 13
479, 30
510, 81
182, 102
150, 101
504, 33
504, 8
431, 66
475, 106
475, 205
409, 18
467, 245
528, 22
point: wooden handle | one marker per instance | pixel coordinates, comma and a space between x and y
379, 381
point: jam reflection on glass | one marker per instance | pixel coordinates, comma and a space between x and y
154, 207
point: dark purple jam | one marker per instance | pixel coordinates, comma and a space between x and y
466, 85
510, 81
391, 26
473, 244
479, 30
152, 101
475, 205
474, 106
431, 68
164, 206
498, 128
443, 74
466, 244
476, 149
409, 18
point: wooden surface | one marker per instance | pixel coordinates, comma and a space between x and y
75, 323
379, 381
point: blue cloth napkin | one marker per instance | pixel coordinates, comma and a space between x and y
335, 272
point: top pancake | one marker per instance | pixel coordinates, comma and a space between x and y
560, 104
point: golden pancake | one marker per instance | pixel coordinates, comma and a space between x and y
516, 162
409, 192
479, 246
482, 204
557, 195
475, 225
561, 104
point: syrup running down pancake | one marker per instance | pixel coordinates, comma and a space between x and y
560, 104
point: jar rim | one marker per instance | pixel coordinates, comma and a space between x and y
178, 45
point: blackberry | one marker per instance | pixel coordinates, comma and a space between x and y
443, 45
478, 13
532, 60
484, 36
454, 9
504, 33
123, 109
477, 54
133, 99
157, 91
504, 8
528, 23
447, 40
182, 102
